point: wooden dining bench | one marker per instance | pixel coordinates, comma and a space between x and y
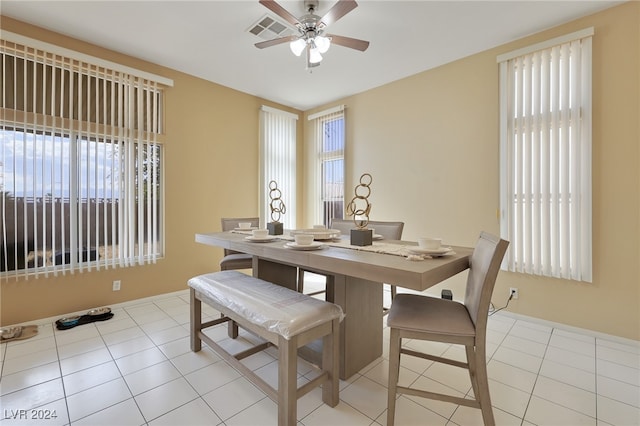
284, 318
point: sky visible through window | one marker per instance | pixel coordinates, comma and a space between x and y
40, 165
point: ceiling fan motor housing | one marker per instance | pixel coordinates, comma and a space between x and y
310, 23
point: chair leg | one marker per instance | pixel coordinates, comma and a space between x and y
300, 280
471, 359
394, 373
385, 310
482, 378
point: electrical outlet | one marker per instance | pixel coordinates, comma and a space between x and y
513, 291
116, 285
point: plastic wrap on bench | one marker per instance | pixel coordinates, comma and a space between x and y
272, 307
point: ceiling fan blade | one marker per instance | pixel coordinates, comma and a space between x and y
353, 43
276, 41
341, 8
280, 11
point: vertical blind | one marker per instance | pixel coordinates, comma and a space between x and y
328, 171
278, 162
546, 158
80, 164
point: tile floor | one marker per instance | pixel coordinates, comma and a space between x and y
137, 369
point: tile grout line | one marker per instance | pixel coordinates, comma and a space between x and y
535, 382
64, 389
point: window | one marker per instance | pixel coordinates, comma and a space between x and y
278, 163
80, 163
329, 142
546, 157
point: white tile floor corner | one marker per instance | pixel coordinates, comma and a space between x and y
137, 369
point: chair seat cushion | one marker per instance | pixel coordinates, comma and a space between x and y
429, 314
236, 261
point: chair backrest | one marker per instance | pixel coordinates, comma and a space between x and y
230, 223
388, 230
342, 225
483, 270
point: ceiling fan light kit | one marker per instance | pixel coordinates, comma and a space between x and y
311, 28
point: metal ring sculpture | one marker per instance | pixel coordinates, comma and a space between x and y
276, 205
362, 191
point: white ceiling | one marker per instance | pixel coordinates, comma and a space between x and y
209, 39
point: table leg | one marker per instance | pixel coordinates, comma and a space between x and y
277, 273
361, 330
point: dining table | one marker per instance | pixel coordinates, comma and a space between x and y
355, 274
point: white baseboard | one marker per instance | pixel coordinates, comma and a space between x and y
578, 330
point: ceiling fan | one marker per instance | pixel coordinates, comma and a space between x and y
311, 27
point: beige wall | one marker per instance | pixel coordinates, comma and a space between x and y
431, 142
211, 170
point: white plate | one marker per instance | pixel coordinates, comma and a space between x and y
261, 239
245, 229
313, 246
318, 233
377, 237
431, 252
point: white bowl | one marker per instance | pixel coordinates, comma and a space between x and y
303, 239
244, 225
429, 243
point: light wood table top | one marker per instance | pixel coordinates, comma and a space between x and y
379, 267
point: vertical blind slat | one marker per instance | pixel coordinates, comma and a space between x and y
536, 227
575, 153
46, 200
555, 110
545, 159
565, 164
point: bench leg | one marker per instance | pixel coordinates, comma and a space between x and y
287, 381
195, 321
330, 364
